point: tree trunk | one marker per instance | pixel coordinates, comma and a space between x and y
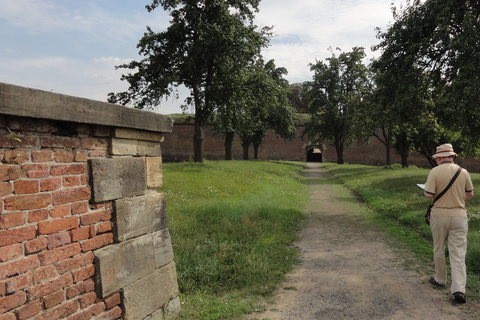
228, 145
245, 147
198, 142
255, 151
339, 149
403, 149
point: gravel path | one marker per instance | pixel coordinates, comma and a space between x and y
349, 271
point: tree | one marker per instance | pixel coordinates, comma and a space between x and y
206, 44
430, 64
337, 88
261, 104
297, 97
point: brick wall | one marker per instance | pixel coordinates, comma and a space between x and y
59, 209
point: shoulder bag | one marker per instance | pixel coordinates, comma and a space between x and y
429, 210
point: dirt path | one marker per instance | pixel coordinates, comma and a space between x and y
350, 272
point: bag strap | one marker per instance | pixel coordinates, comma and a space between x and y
448, 186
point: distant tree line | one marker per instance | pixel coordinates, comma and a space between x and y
423, 89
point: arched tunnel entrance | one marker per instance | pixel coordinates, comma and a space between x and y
314, 154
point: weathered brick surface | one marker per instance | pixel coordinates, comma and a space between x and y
10, 252
17, 235
50, 225
27, 202
12, 220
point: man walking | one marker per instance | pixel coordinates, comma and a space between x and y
449, 220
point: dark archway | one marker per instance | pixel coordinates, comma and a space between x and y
314, 154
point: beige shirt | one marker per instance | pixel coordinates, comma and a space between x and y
452, 203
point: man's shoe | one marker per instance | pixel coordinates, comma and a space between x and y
460, 297
434, 282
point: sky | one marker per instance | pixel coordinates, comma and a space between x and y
72, 47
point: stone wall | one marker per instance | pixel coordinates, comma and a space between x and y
83, 229
178, 146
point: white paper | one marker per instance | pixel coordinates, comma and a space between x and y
421, 185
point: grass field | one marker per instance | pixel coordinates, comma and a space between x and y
233, 222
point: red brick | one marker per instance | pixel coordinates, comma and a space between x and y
60, 211
23, 141
68, 169
83, 180
12, 301
12, 220
27, 202
18, 235
96, 206
84, 273
87, 299
89, 285
37, 215
74, 263
26, 186
97, 154
115, 313
20, 282
43, 155
57, 225
79, 207
75, 290
92, 218
5, 188
35, 245
59, 254
34, 171
58, 239
64, 156
81, 156
104, 227
93, 231
89, 313
8, 269
97, 242
9, 172
10, 252
71, 181
50, 184
60, 142
8, 316
71, 195
44, 273
29, 310
59, 312
80, 234
3, 289
54, 299
94, 144
113, 301
46, 288
17, 156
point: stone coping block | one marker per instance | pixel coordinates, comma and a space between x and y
122, 264
144, 298
135, 147
28, 102
116, 178
140, 215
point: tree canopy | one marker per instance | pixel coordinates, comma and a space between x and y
205, 46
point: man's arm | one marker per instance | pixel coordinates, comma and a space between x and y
428, 194
468, 195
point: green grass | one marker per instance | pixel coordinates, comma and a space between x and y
232, 224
